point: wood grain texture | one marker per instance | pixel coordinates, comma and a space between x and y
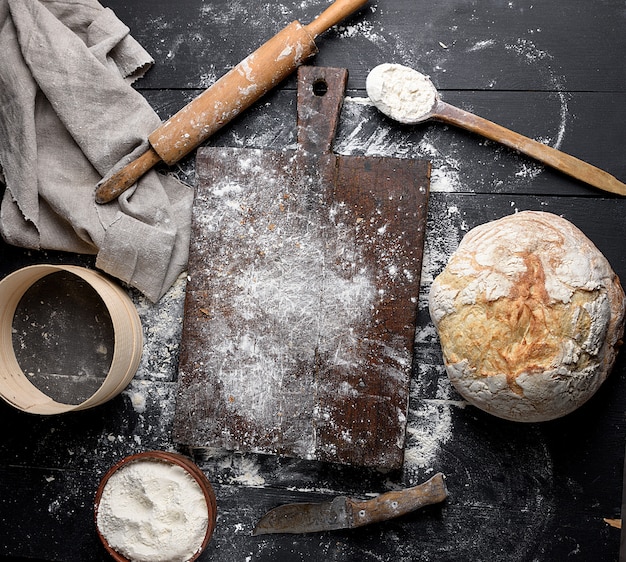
557, 481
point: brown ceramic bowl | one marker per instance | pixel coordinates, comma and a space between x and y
173, 458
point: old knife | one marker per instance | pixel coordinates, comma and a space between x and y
346, 513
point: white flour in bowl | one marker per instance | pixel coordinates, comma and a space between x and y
153, 511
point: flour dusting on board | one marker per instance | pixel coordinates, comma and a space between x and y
290, 287
371, 138
289, 298
301, 303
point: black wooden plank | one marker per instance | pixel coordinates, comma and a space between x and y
577, 123
48, 514
517, 45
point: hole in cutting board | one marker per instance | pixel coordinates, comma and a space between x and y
63, 337
320, 87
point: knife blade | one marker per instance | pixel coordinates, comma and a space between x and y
347, 513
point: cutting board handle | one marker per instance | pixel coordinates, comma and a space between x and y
320, 98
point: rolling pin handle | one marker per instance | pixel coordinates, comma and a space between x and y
123, 179
336, 12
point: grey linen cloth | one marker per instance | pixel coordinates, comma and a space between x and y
68, 116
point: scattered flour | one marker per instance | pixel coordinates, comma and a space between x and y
247, 471
293, 292
162, 326
429, 425
428, 419
450, 172
153, 511
479, 45
364, 29
431, 429
529, 52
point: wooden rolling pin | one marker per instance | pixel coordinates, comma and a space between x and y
228, 97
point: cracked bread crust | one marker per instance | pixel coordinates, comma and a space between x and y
530, 316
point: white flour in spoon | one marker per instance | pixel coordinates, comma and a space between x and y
401, 92
152, 511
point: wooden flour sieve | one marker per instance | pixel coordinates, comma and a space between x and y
15, 387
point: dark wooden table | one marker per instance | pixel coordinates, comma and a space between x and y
554, 71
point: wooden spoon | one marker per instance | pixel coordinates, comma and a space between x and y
407, 96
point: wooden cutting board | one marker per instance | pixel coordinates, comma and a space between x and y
301, 303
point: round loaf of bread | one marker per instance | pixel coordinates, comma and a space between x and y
530, 315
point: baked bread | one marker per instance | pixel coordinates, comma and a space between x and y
529, 315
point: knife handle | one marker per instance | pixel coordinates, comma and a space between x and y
394, 504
